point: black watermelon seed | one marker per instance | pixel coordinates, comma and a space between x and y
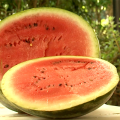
47, 28
66, 84
6, 66
34, 76
33, 39
30, 26
42, 71
35, 24
53, 28
10, 44
60, 84
89, 68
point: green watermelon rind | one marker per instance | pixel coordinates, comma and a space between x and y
4, 101
76, 111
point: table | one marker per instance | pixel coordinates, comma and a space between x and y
105, 112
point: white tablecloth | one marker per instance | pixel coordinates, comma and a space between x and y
105, 112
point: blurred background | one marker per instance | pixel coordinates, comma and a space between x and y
102, 15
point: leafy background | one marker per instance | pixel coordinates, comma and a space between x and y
99, 14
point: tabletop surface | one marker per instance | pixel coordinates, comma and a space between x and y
105, 112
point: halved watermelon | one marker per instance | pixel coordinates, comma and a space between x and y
60, 86
42, 32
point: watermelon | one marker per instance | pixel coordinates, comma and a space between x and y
42, 32
60, 86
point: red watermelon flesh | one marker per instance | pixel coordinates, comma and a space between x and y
44, 32
57, 80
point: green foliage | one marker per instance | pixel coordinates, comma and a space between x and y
109, 39
97, 12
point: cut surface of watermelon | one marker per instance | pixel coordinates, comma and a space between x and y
42, 32
59, 83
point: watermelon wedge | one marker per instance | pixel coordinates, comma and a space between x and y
60, 86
